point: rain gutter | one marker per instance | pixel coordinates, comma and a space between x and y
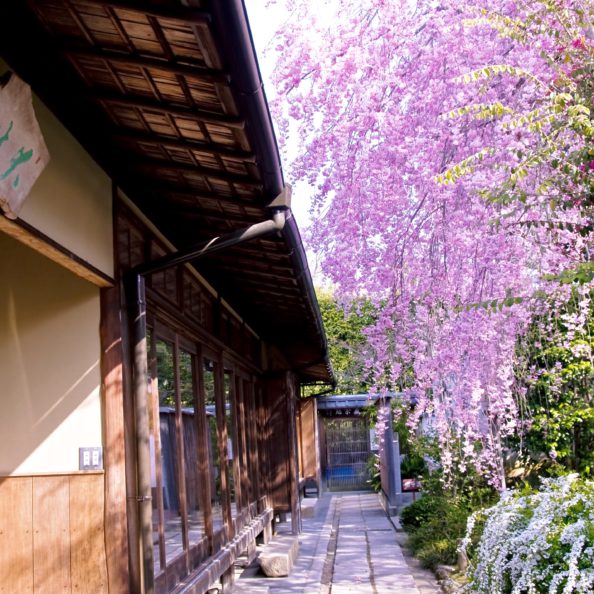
237, 47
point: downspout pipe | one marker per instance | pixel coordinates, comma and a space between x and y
136, 291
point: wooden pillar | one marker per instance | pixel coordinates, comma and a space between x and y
112, 391
223, 449
203, 433
293, 459
280, 394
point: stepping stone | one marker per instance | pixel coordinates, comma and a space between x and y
308, 507
278, 557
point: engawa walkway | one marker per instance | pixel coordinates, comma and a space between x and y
350, 546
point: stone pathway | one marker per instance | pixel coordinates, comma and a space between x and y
349, 547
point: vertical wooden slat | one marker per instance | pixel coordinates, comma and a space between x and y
203, 437
222, 430
180, 460
16, 535
51, 534
181, 475
300, 440
277, 413
242, 463
233, 428
253, 442
116, 526
89, 569
263, 450
291, 394
308, 452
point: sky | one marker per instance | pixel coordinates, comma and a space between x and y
264, 22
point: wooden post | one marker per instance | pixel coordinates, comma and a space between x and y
181, 474
156, 431
142, 431
112, 381
203, 447
223, 451
293, 461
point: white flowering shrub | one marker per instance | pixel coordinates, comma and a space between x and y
541, 542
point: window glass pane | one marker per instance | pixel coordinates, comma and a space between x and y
169, 454
232, 450
190, 433
251, 441
214, 454
165, 373
154, 441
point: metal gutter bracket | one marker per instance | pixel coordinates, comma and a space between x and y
283, 200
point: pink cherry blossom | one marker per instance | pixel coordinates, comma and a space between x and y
365, 93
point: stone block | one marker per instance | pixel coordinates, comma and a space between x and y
278, 557
308, 507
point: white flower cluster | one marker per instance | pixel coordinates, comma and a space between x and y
538, 543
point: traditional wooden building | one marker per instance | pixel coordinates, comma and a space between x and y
157, 315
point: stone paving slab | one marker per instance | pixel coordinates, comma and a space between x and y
349, 547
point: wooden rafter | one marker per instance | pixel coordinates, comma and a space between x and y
150, 63
165, 190
215, 174
172, 13
167, 108
182, 143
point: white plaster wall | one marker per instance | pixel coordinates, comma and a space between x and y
49, 363
71, 202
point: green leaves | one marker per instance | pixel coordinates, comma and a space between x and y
490, 71
468, 165
480, 111
492, 305
346, 342
580, 274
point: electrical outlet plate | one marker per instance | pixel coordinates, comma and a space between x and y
90, 458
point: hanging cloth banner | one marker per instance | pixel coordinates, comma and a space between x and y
23, 154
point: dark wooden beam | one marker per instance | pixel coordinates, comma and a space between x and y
173, 13
167, 189
268, 288
244, 266
231, 178
256, 264
186, 70
198, 214
182, 143
174, 110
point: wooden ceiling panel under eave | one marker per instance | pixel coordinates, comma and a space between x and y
144, 87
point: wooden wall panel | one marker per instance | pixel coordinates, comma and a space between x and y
276, 398
308, 447
51, 535
52, 539
16, 535
89, 570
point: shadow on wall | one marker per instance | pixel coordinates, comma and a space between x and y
49, 363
